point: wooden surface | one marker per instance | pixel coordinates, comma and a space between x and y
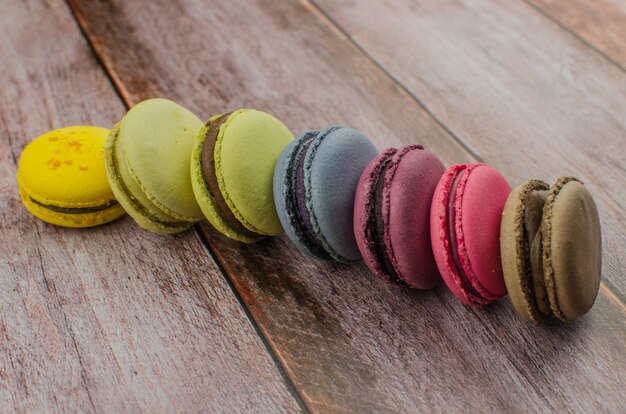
599, 23
115, 319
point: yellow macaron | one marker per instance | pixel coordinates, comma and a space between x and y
63, 181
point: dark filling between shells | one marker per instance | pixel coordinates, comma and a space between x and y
78, 210
299, 200
453, 240
378, 225
533, 215
210, 178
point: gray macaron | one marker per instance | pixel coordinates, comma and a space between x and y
314, 185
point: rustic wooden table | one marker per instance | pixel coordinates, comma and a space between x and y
115, 319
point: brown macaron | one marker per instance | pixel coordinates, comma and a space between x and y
551, 249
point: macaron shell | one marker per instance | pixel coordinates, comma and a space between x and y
334, 169
130, 195
203, 195
71, 220
410, 184
513, 250
248, 146
439, 231
65, 168
281, 186
572, 249
440, 237
156, 138
363, 210
482, 200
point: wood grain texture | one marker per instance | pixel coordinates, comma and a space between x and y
520, 92
110, 319
349, 342
601, 23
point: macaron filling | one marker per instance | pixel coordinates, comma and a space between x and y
533, 240
378, 225
76, 210
298, 195
452, 224
209, 176
298, 198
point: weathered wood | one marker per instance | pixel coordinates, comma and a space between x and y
352, 343
520, 92
111, 319
601, 23
349, 342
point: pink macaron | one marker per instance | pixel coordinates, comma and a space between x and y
392, 216
465, 221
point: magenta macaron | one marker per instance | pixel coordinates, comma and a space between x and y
465, 221
391, 216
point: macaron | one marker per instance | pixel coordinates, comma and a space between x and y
465, 228
147, 161
391, 216
314, 185
232, 169
62, 178
551, 249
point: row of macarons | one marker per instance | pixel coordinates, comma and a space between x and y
413, 221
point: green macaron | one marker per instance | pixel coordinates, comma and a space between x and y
147, 160
551, 249
232, 169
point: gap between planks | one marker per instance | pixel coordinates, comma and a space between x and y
282, 369
122, 93
563, 27
342, 33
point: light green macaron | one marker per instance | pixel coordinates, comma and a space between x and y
232, 170
147, 160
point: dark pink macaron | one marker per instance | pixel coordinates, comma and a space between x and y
465, 221
392, 216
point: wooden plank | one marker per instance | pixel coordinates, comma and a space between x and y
112, 319
600, 23
522, 94
349, 342
355, 344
